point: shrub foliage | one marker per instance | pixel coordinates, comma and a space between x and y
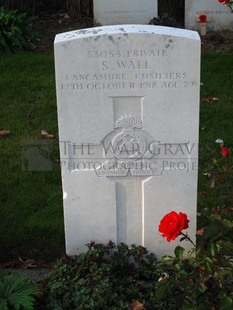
109, 277
16, 292
16, 32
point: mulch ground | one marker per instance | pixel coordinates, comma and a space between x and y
50, 24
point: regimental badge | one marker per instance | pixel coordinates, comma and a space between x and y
129, 144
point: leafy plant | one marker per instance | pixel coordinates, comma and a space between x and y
16, 32
16, 292
110, 277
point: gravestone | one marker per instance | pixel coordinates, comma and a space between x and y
218, 15
128, 113
116, 12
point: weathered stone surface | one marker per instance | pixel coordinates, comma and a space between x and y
116, 12
128, 112
218, 15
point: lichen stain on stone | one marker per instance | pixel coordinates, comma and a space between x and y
96, 31
82, 31
86, 40
66, 44
166, 38
111, 38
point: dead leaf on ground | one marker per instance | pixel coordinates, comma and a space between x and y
206, 174
66, 16
200, 231
46, 135
209, 100
4, 133
18, 262
136, 305
205, 100
202, 194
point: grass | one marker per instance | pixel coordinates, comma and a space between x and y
216, 122
31, 201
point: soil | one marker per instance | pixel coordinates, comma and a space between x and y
51, 23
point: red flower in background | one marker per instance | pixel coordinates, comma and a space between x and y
224, 1
225, 151
203, 18
172, 224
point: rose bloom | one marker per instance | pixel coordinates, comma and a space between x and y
203, 18
172, 225
227, 1
225, 151
222, 1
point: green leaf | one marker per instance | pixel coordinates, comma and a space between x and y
166, 259
179, 252
3, 304
213, 249
16, 290
189, 307
226, 304
162, 291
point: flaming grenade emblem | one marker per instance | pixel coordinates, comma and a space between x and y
129, 144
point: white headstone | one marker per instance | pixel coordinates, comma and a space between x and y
128, 112
116, 12
218, 15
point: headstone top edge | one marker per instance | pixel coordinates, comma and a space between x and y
129, 29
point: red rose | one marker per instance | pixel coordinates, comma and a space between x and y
172, 225
221, 1
227, 1
225, 151
203, 18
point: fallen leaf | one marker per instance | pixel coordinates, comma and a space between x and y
136, 305
206, 100
206, 174
212, 179
209, 100
30, 263
163, 277
4, 133
200, 231
18, 262
202, 194
46, 135
66, 16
